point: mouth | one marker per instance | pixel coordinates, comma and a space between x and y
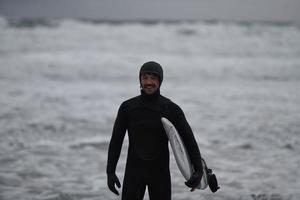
149, 87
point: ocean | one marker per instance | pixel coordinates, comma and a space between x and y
62, 82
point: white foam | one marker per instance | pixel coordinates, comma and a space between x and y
238, 85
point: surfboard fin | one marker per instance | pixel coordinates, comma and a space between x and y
211, 178
212, 181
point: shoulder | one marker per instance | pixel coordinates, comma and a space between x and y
170, 104
126, 105
164, 99
129, 102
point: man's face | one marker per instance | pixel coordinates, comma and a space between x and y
150, 83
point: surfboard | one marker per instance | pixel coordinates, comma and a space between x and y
181, 155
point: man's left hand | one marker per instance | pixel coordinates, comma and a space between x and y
194, 181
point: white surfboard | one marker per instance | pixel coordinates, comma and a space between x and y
181, 155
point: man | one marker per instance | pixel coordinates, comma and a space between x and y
148, 153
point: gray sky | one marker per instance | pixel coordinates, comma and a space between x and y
266, 10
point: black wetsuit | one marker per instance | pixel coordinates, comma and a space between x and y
148, 153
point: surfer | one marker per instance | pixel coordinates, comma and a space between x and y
148, 154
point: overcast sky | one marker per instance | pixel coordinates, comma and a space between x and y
267, 10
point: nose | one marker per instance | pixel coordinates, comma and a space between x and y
148, 81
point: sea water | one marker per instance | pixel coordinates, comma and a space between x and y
62, 82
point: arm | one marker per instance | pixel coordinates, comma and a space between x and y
114, 149
187, 136
116, 141
191, 145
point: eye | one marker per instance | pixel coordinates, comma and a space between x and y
144, 77
154, 78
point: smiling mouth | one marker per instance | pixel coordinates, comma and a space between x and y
149, 87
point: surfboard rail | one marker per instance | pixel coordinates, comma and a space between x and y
181, 155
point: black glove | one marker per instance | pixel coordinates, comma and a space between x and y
112, 179
195, 179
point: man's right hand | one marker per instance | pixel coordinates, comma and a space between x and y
112, 179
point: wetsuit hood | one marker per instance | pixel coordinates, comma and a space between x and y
154, 68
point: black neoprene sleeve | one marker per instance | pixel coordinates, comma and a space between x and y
187, 136
117, 139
